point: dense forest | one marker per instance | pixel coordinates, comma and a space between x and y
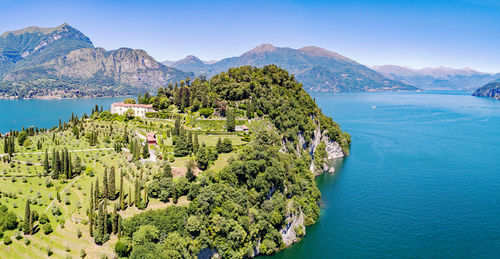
240, 210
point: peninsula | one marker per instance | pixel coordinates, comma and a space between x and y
222, 166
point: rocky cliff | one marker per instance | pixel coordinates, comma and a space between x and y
120, 68
41, 61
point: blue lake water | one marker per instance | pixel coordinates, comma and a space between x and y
14, 114
422, 180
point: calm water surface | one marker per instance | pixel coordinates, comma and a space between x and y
422, 181
14, 114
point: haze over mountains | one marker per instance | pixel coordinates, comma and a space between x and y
62, 61
318, 69
439, 78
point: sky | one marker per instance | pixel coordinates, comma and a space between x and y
460, 33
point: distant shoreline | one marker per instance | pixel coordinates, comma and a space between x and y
49, 98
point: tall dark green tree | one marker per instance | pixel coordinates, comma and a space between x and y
46, 166
190, 166
177, 126
105, 183
122, 202
125, 135
230, 120
138, 199
167, 170
91, 210
111, 183
145, 150
27, 215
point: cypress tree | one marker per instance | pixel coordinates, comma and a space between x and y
46, 166
122, 202
27, 215
125, 135
137, 193
145, 150
100, 225
31, 222
91, 210
111, 183
96, 191
70, 166
53, 160
146, 197
177, 126
129, 196
64, 166
57, 169
114, 226
105, 217
105, 183
230, 120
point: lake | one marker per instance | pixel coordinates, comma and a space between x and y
422, 180
14, 114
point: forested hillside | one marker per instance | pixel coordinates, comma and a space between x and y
263, 199
490, 90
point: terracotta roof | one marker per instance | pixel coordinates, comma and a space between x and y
151, 136
133, 105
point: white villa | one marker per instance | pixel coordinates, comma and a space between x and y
139, 109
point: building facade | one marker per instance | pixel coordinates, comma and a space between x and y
140, 110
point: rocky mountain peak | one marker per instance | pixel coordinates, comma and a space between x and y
261, 49
321, 52
36, 29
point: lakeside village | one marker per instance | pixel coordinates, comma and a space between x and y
113, 163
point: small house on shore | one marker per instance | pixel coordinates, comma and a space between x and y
140, 110
243, 128
151, 138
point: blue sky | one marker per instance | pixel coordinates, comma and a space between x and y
463, 33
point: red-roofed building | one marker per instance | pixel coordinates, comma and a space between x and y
151, 138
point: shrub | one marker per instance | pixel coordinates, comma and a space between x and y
47, 229
123, 246
56, 211
44, 219
7, 240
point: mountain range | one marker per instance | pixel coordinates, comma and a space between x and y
438, 78
63, 62
318, 69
